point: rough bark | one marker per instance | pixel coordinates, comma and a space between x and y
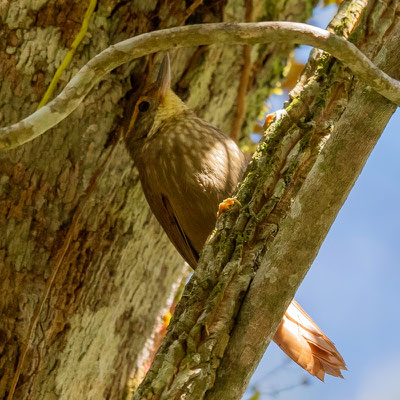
119, 270
261, 250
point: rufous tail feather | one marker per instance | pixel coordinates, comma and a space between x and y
301, 339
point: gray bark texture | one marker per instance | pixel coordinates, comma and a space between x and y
302, 172
116, 271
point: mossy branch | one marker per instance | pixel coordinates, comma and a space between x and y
194, 35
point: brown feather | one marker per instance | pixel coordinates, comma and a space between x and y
304, 342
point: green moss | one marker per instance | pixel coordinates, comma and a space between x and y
323, 65
294, 103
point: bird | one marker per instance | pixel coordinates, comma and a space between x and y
187, 167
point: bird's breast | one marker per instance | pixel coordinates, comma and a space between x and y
196, 167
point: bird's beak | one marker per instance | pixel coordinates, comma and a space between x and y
164, 77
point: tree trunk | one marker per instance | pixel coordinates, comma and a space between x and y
114, 270
261, 249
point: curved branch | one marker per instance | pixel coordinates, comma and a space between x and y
193, 35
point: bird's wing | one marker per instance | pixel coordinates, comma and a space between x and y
163, 211
304, 342
177, 235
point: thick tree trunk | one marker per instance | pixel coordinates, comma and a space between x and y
117, 271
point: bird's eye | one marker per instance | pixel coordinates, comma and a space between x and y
144, 106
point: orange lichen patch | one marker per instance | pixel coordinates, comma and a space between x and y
226, 204
269, 118
167, 318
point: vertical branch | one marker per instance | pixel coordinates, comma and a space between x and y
244, 81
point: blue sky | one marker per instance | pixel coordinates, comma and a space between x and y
352, 289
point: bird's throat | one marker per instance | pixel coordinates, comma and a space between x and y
170, 106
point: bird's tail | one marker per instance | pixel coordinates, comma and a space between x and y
301, 339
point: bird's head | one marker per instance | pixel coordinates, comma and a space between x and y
155, 104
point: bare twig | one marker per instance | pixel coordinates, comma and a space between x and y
193, 35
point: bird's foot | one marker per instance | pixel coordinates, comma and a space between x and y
226, 204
